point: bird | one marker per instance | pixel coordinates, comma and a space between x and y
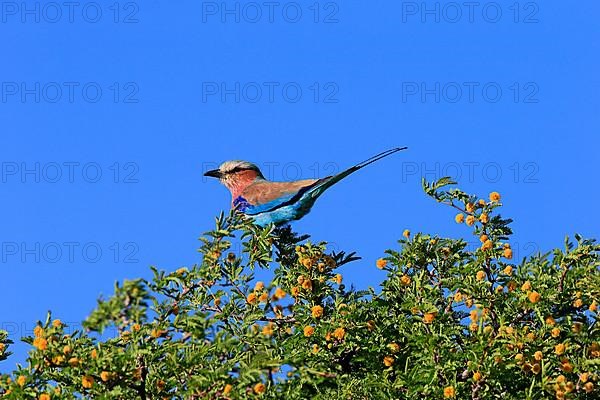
267, 202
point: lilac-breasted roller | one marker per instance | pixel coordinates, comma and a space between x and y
277, 202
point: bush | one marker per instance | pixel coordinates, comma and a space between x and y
448, 322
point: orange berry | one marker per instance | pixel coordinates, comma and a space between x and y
459, 218
388, 361
338, 279
251, 299
483, 238
534, 297
559, 349
484, 218
105, 376
405, 280
488, 245
317, 311
87, 381
394, 347
295, 291
428, 318
381, 263
449, 392
227, 389
307, 284
260, 388
494, 196
584, 377
308, 331
566, 366
480, 275
470, 220
339, 333
406, 233
263, 297
371, 325
458, 297
38, 331
40, 343
508, 253
267, 330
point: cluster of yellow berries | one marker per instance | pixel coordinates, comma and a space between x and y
310, 258
259, 294
562, 386
39, 341
268, 329
470, 209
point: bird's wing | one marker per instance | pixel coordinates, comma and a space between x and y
265, 196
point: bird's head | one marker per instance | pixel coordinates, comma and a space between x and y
236, 175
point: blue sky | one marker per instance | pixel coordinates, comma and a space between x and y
111, 114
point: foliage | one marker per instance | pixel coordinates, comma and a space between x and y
447, 322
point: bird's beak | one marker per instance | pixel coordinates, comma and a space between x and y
215, 173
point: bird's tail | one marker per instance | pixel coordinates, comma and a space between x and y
325, 183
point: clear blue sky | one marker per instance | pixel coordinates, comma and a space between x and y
151, 94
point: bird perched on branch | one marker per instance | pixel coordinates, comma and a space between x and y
277, 202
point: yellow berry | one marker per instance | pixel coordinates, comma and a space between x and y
259, 388
449, 392
480, 275
308, 331
428, 318
87, 381
534, 297
317, 311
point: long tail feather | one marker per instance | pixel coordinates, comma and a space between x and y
326, 183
